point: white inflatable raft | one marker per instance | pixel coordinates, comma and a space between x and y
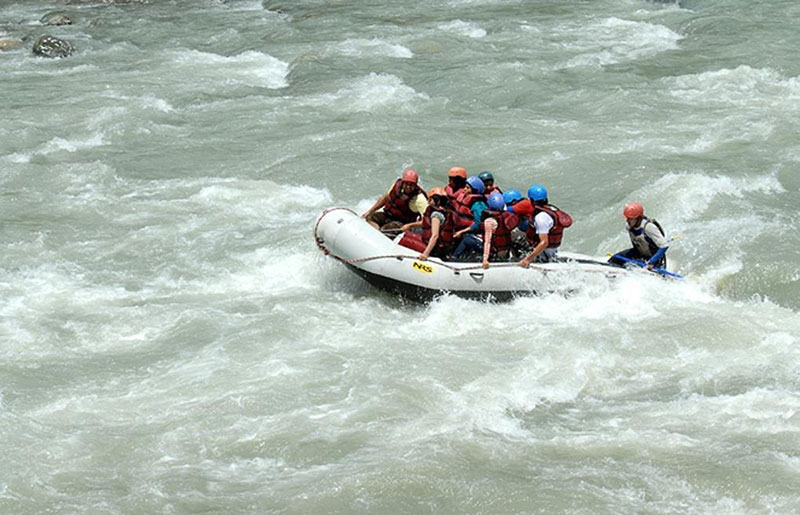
344, 235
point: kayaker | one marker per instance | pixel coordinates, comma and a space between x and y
546, 227
403, 203
647, 237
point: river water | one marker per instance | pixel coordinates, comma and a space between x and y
172, 341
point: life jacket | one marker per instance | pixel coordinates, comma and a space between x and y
491, 190
462, 209
641, 241
452, 194
413, 241
445, 241
501, 237
561, 220
397, 206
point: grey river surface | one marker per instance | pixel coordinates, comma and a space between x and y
172, 341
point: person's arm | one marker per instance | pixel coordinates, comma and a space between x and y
542, 225
412, 225
435, 224
489, 226
376, 206
652, 232
544, 241
656, 257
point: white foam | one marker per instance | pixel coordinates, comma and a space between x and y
245, 5
249, 68
265, 271
34, 294
463, 28
153, 102
690, 194
72, 145
18, 157
741, 86
374, 47
618, 40
272, 204
373, 93
59, 144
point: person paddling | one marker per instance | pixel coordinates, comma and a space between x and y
403, 203
647, 237
546, 227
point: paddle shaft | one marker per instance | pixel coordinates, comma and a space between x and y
642, 264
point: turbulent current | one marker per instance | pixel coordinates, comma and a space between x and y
172, 340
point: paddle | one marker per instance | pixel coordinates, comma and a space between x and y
642, 264
391, 233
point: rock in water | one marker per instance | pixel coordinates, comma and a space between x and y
56, 18
51, 46
9, 43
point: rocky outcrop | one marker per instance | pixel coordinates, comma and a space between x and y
51, 46
7, 43
56, 18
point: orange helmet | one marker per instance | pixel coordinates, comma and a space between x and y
633, 210
410, 175
437, 190
457, 171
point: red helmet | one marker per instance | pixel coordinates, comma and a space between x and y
633, 210
437, 190
410, 175
457, 171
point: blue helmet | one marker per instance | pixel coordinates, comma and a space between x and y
496, 201
476, 184
537, 192
486, 176
512, 196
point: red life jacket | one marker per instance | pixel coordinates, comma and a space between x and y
491, 190
445, 241
452, 194
462, 209
397, 205
556, 232
501, 237
413, 241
